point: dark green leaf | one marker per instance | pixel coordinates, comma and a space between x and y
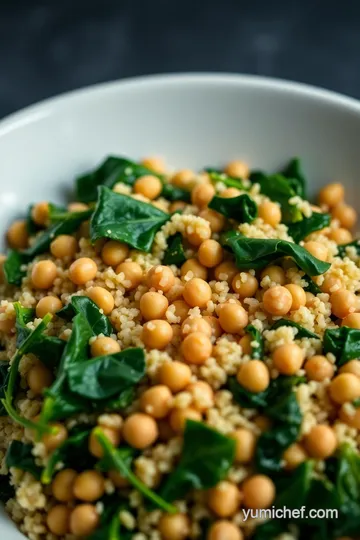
311, 286
98, 322
242, 208
23, 317
7, 491
174, 193
61, 403
343, 343
258, 351
248, 400
31, 226
299, 230
257, 253
175, 251
4, 381
104, 377
292, 490
123, 218
270, 530
13, 264
229, 181
77, 347
301, 331
342, 250
117, 403
110, 527
206, 458
293, 172
19, 455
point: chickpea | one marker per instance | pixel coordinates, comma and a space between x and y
89, 486
210, 253
103, 346
245, 344
43, 274
195, 324
156, 401
63, 246
40, 213
233, 318
270, 212
178, 417
197, 292
351, 367
38, 378
176, 291
345, 214
277, 300
157, 334
293, 456
114, 253
224, 530
161, 278
149, 186
245, 284
82, 270
95, 447
140, 430
197, 269
63, 484
181, 309
224, 499
321, 442
298, 296
332, 194
84, 520
258, 491
183, 178
48, 304
102, 298
84, 230
77, 207
202, 194
343, 303
17, 235
215, 326
199, 234
202, 395
153, 305
216, 221
226, 271
275, 273
331, 284
237, 168
58, 519
177, 205
133, 274
52, 441
154, 163
230, 193
118, 480
349, 418
317, 250
196, 348
254, 376
288, 358
341, 236
344, 387
318, 368
175, 375
174, 526
245, 445
352, 320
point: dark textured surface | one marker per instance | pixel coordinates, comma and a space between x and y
51, 47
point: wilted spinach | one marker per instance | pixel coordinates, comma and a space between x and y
299, 230
98, 322
110, 527
242, 208
175, 251
295, 176
343, 343
258, 351
19, 455
301, 331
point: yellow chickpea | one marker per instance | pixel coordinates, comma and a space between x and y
202, 194
226, 271
344, 387
84, 230
82, 270
352, 320
318, 368
196, 348
288, 358
198, 234
102, 298
177, 205
103, 346
38, 378
176, 375
161, 278
258, 492
340, 236
345, 214
351, 367
52, 441
140, 430
118, 480
245, 344
195, 324
254, 376
298, 296
174, 526
351, 418
63, 485
270, 212
277, 300
215, 325
175, 293
245, 285
7, 325
245, 445
17, 235
40, 213
293, 456
197, 269
183, 178
77, 207
202, 395
149, 186
233, 318
157, 334
343, 303
63, 246
153, 305
331, 284
114, 253
181, 309
216, 221
230, 193
237, 168
95, 447
48, 304
178, 417
197, 292
156, 401
321, 442
154, 163
133, 274
58, 519
224, 499
210, 253
224, 530
84, 520
89, 486
43, 274
275, 273
317, 250
332, 194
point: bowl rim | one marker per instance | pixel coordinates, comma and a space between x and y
48, 106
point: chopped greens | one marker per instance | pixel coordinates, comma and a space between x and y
343, 343
258, 350
175, 251
308, 225
19, 455
242, 208
98, 322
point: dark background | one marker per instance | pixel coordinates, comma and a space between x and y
51, 47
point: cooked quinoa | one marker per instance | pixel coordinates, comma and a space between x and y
178, 350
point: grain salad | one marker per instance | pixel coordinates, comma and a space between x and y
179, 351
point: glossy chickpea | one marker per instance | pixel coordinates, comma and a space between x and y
298, 296
52, 441
84, 520
63, 485
237, 168
176, 375
197, 269
275, 273
198, 234
230, 193
196, 348
224, 499
174, 526
43, 274
7, 325
245, 284
161, 278
153, 305
195, 324
294, 455
254, 376
270, 212
181, 309
63, 246
140, 430
157, 334
82, 270
89, 486
156, 401
154, 163
344, 387
95, 447
149, 186
345, 214
317, 250
224, 530
102, 298
102, 346
77, 207
84, 230
320, 442
226, 271
48, 304
331, 284
202, 395
341, 236
216, 221
258, 492
343, 303
233, 317
17, 235
202, 194
277, 300
352, 320
197, 292
183, 178
40, 213
351, 367
288, 358
215, 325
133, 274
245, 445
177, 205
318, 368
245, 344
38, 378
178, 417
114, 253
210, 253
58, 519
332, 194
350, 417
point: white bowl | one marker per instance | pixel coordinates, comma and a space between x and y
192, 120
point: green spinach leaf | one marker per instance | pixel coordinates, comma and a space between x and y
175, 251
299, 230
242, 208
343, 343
301, 331
248, 400
98, 322
19, 455
14, 267
258, 351
295, 176
229, 181
174, 193
110, 527
311, 286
